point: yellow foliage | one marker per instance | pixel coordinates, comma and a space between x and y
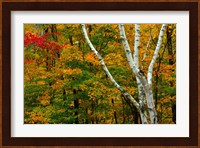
114, 59
83, 87
35, 118
41, 82
30, 28
91, 57
114, 26
58, 84
45, 99
60, 26
73, 51
70, 71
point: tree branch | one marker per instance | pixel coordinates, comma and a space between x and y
150, 69
145, 53
136, 45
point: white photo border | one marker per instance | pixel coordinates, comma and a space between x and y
19, 18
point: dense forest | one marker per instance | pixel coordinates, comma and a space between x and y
99, 73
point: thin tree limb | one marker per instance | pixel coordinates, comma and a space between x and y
145, 53
150, 69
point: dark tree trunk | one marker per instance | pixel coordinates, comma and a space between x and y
115, 114
86, 112
171, 62
55, 38
156, 91
47, 60
71, 40
123, 111
174, 112
54, 31
133, 109
169, 44
92, 114
46, 30
136, 116
76, 106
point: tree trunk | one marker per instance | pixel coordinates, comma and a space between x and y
169, 44
76, 106
174, 111
114, 114
171, 62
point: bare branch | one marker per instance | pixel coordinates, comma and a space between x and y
145, 53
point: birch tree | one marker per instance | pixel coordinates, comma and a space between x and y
144, 83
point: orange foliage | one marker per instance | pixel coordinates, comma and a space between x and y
91, 57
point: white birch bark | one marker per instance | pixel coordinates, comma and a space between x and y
141, 94
136, 45
125, 93
134, 69
142, 80
149, 95
150, 69
141, 90
136, 60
